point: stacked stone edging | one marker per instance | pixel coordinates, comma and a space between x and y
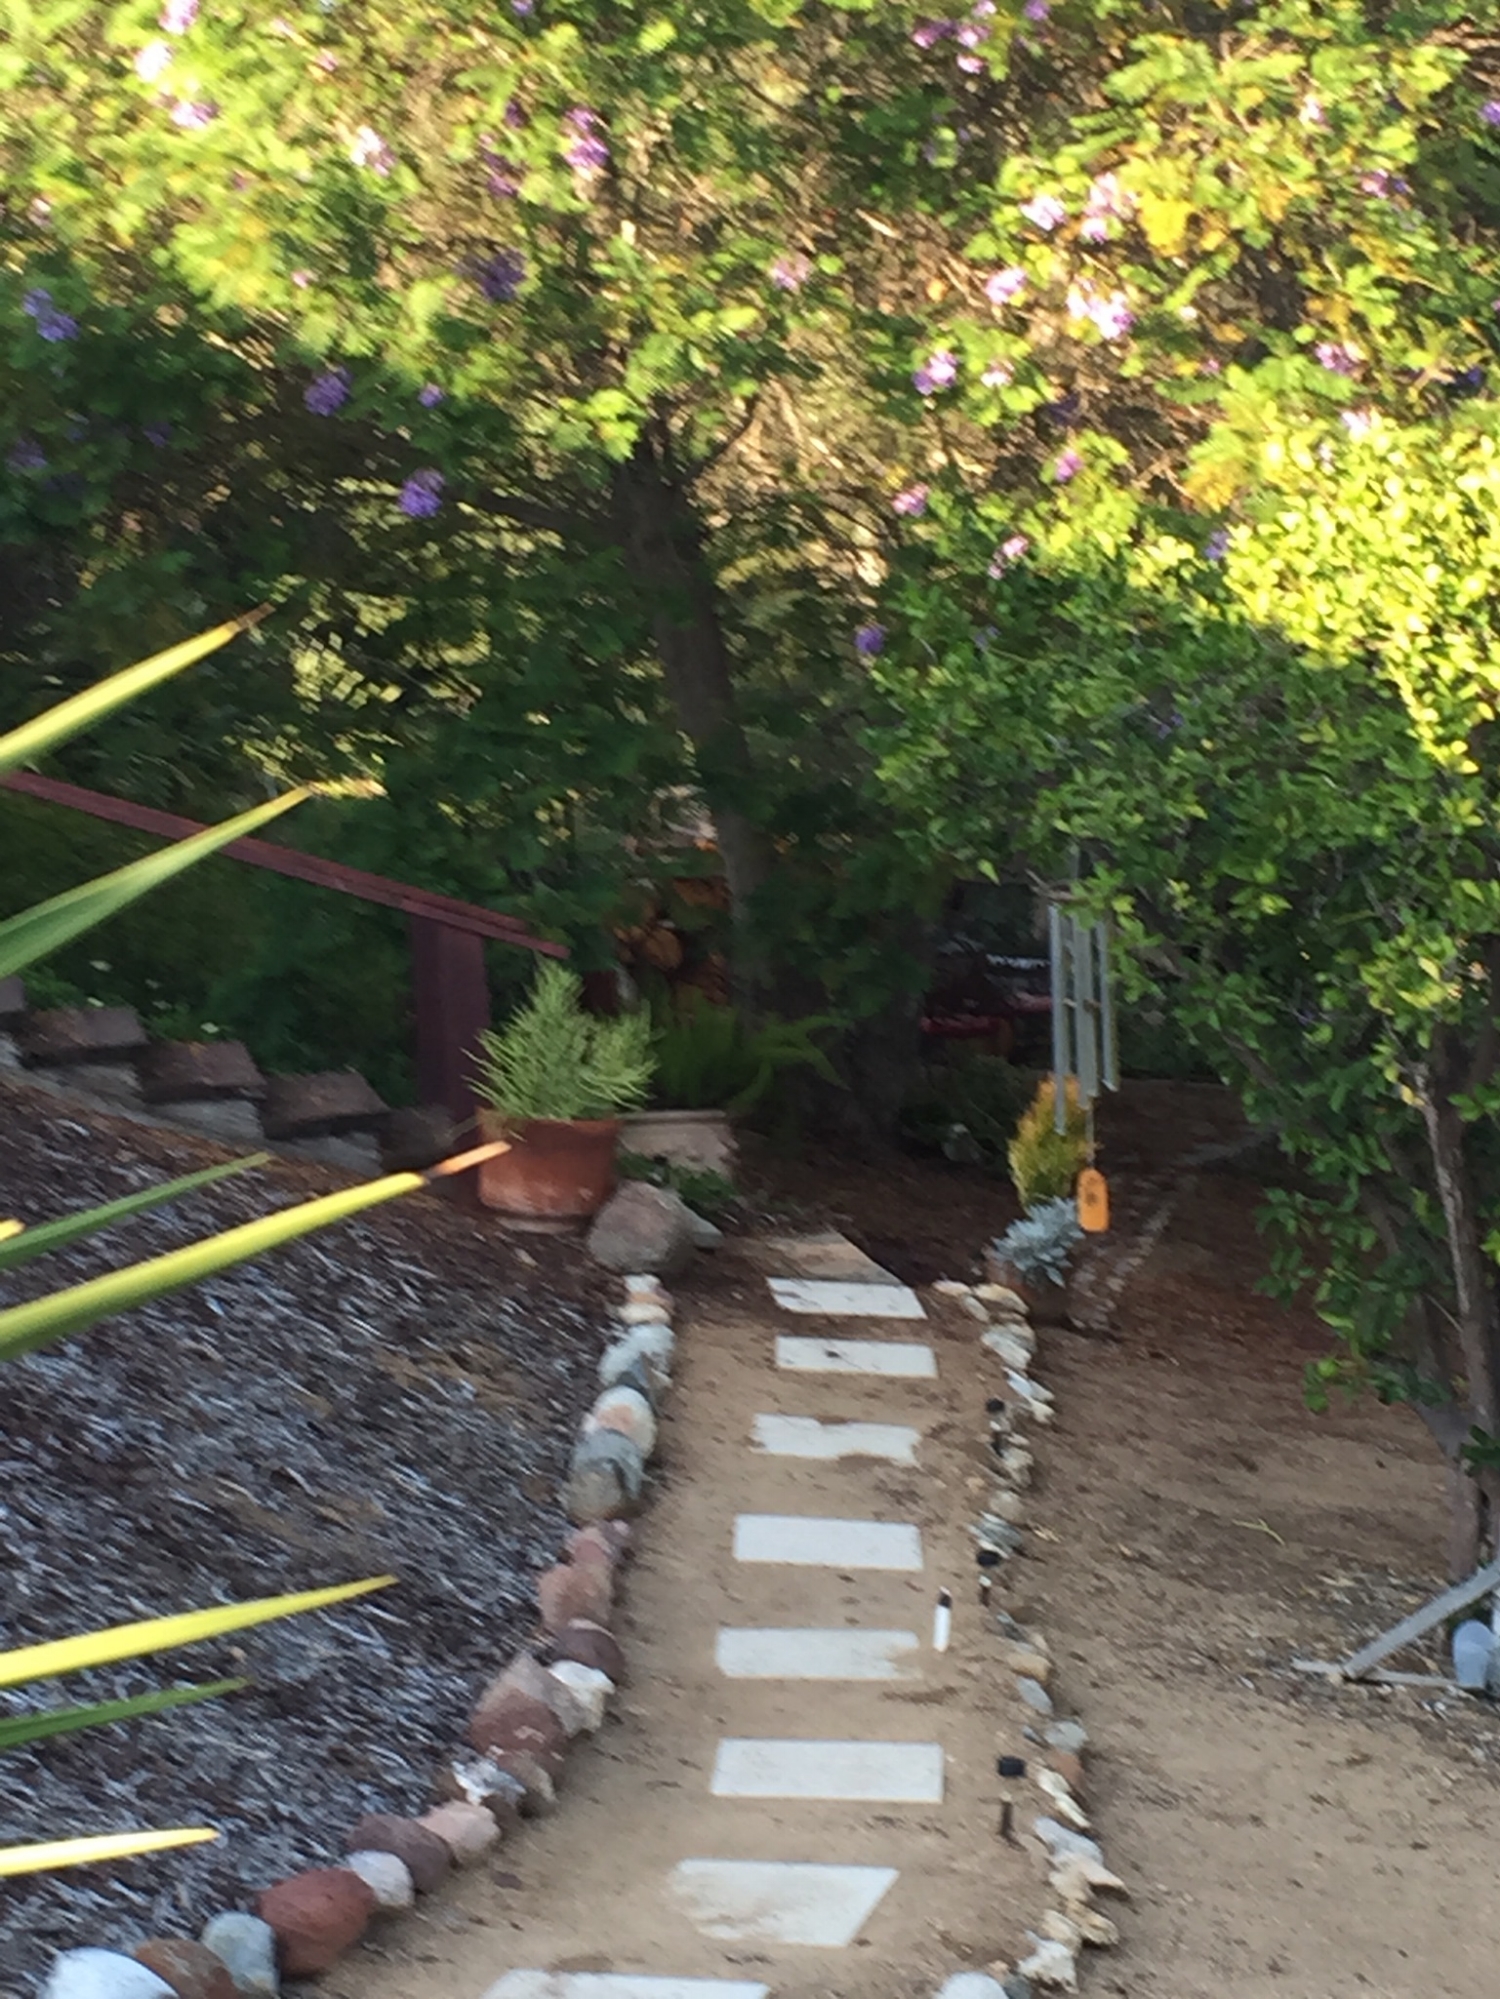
520, 1730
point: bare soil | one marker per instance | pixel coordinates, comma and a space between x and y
395, 1395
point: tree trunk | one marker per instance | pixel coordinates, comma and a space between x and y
1474, 1293
662, 539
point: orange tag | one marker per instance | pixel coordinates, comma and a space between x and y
1093, 1201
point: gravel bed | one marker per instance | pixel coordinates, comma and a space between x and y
396, 1395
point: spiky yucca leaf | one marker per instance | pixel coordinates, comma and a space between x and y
70, 718
19, 1245
17, 1730
46, 1855
36, 932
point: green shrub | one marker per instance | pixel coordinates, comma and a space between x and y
703, 1189
1045, 1162
553, 1060
708, 1058
968, 1110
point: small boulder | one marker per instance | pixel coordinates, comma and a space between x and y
642, 1228
587, 1687
191, 1969
1066, 1735
593, 1546
1069, 1766
605, 1479
653, 1311
387, 1877
1027, 1660
426, 1858
416, 1137
589, 1644
317, 1916
575, 1590
468, 1831
626, 1364
246, 1947
479, 1780
705, 1234
508, 1721
102, 1974
537, 1781
627, 1412
971, 1985
1034, 1694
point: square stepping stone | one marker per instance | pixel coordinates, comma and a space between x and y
826, 1255
748, 1653
617, 1985
898, 1773
806, 1437
808, 1542
779, 1901
899, 1358
854, 1301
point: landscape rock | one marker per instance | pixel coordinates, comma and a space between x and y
537, 1780
1052, 1965
1008, 1346
589, 1644
1005, 1505
1016, 1987
605, 1478
416, 1137
102, 1974
1034, 1694
527, 1676
652, 1311
1097, 1929
971, 1985
627, 1412
12, 999
630, 1363
1007, 1303
1069, 1766
574, 1591
191, 1969
705, 1234
230, 1120
320, 1106
593, 1545
644, 1284
1017, 1463
642, 1229
1068, 1735
1028, 1661
317, 1916
1064, 1844
589, 1687
480, 1781
426, 1858
246, 1947
468, 1831
61, 1036
1076, 1876
387, 1877
173, 1072
508, 1721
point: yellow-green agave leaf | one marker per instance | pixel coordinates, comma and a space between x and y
46, 1855
19, 1245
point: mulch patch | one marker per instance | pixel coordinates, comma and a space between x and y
396, 1395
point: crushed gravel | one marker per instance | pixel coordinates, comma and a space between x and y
396, 1395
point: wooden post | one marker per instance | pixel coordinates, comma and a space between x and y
452, 1001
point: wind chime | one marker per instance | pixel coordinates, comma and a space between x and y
1084, 1054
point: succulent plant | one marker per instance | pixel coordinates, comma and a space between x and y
1039, 1244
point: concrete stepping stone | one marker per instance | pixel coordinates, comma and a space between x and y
902, 1773
855, 1301
808, 1542
806, 1437
748, 1653
825, 1255
617, 1985
902, 1359
779, 1901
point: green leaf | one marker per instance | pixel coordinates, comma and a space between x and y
35, 933
70, 718
46, 1855
115, 1642
21, 1246
17, 1730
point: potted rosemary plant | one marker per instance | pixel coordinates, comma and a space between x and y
555, 1080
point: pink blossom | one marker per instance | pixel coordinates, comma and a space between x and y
368, 149
998, 375
1338, 358
1044, 211
1311, 112
938, 371
177, 16
912, 501
1067, 465
1359, 423
302, 278
193, 117
926, 33
1001, 286
1008, 554
152, 62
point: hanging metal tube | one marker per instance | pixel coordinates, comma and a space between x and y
1059, 1015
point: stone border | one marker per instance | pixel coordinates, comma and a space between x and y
555, 1689
1059, 1833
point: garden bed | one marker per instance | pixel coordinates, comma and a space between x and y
399, 1394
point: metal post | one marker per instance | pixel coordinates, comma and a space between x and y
452, 1001
1088, 1013
1109, 1054
1060, 1003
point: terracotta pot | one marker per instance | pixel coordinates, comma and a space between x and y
703, 1140
1046, 1304
557, 1169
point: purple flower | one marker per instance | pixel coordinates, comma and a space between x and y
1001, 286
1217, 545
26, 455
926, 33
1490, 112
938, 371
1107, 202
1311, 112
522, 7
791, 272
868, 640
588, 153
1037, 10
1044, 211
326, 394
177, 16
998, 374
1008, 554
972, 35
152, 61
504, 177
191, 117
50, 323
157, 434
1359, 423
1067, 465
1112, 316
326, 61
515, 115
1377, 182
912, 501
500, 277
430, 396
368, 149
422, 494
971, 65
302, 278
1336, 357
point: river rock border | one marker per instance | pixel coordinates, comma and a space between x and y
1045, 1788
554, 1690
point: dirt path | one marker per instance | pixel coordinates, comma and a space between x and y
598, 1888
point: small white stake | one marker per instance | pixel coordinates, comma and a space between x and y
942, 1621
